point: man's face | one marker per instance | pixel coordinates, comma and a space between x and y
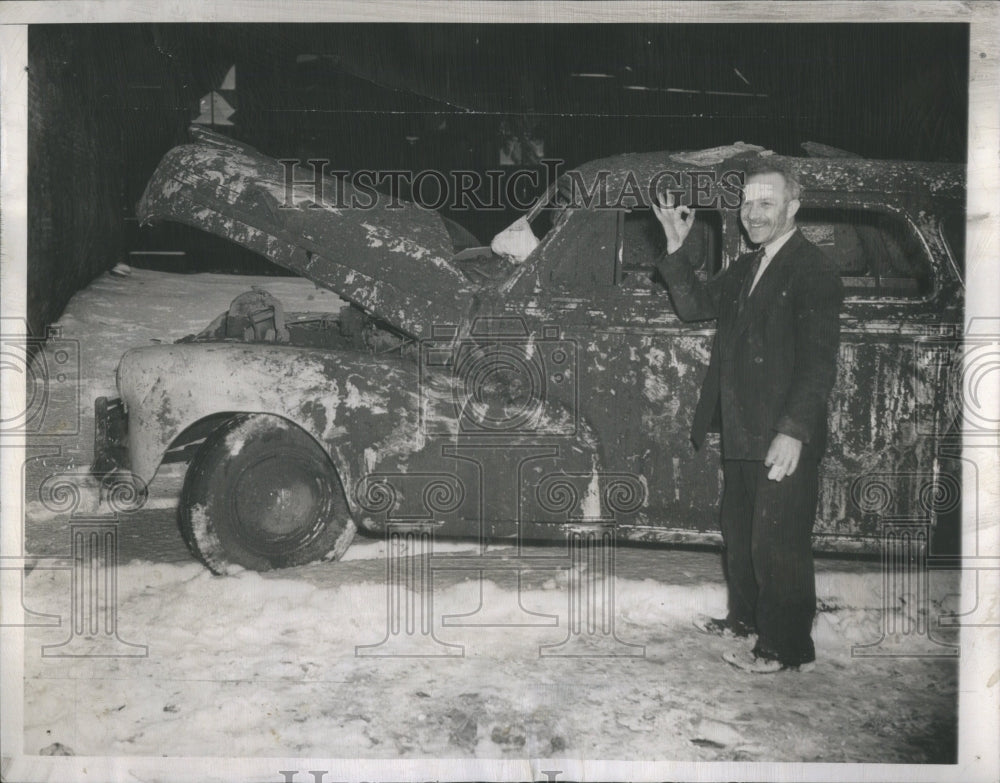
767, 212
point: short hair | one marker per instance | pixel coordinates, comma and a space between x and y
770, 166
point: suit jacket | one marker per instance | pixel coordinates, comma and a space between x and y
773, 364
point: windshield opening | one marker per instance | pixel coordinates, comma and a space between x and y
549, 211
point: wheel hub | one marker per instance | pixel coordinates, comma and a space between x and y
279, 501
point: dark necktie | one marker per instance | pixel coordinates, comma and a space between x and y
757, 257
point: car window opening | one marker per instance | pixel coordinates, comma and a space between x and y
877, 253
641, 243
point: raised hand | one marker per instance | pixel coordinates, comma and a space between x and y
676, 221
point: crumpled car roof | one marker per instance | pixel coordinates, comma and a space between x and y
848, 174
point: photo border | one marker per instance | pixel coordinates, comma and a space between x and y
979, 706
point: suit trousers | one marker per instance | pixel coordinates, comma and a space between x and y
767, 532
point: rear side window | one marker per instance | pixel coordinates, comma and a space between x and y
878, 253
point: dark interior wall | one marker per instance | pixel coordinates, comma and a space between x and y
107, 101
104, 103
74, 165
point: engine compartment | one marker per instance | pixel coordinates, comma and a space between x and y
257, 316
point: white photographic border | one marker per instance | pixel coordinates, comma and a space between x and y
979, 704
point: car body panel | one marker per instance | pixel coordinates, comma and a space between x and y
615, 410
370, 415
335, 396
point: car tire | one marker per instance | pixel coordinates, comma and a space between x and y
260, 493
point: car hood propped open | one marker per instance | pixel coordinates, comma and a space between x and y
391, 258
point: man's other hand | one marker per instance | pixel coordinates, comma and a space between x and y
676, 221
783, 456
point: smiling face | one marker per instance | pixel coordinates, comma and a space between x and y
767, 211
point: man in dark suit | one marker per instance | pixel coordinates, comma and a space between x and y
773, 363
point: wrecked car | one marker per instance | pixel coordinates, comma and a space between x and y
513, 394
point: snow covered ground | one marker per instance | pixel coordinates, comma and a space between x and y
266, 665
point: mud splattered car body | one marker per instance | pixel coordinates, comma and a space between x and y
509, 398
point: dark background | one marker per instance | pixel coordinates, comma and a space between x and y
105, 103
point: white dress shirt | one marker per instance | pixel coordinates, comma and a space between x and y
770, 251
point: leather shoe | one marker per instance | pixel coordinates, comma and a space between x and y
756, 664
720, 627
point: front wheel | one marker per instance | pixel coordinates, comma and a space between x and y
261, 494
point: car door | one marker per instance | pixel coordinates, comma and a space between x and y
640, 368
902, 297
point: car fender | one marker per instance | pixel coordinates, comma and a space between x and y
363, 410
